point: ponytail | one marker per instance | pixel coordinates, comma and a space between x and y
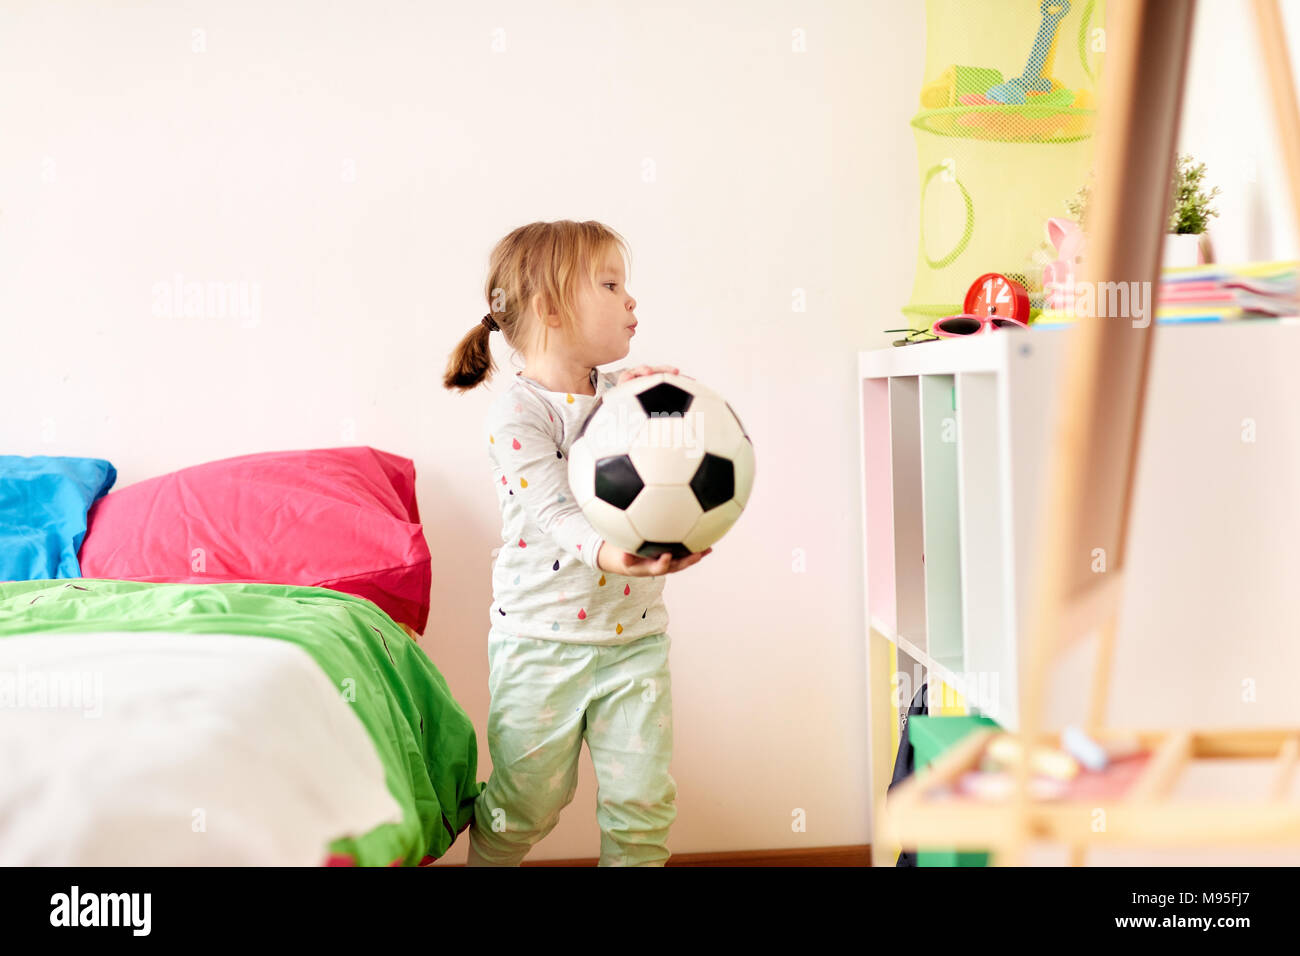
471, 360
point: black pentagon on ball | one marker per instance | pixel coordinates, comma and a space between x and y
665, 399
714, 482
617, 481
652, 549
590, 415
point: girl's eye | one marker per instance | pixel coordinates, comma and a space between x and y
611, 285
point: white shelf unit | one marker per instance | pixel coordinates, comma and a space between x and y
954, 442
946, 502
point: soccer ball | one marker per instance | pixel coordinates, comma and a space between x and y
661, 463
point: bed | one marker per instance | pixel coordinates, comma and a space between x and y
232, 722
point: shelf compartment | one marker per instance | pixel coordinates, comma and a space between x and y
878, 509
941, 555
908, 520
981, 484
906, 682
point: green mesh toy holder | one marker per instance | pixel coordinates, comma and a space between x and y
993, 173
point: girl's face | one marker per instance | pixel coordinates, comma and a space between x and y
605, 317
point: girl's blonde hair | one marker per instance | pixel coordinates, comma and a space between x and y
541, 258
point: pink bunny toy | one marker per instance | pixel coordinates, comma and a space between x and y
1059, 277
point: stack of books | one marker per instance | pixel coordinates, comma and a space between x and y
1216, 293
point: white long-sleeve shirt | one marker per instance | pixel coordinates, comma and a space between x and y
545, 583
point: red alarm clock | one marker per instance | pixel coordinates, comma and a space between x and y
995, 294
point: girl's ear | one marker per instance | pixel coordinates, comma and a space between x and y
540, 307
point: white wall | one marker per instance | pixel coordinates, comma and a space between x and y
354, 164
1227, 123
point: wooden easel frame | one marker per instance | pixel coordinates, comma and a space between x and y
1089, 495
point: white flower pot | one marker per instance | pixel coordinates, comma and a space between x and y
1183, 250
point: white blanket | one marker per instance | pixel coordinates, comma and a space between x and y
174, 749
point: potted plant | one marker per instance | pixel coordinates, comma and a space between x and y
1186, 241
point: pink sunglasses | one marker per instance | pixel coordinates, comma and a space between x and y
957, 325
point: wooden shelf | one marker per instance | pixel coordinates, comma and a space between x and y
1154, 800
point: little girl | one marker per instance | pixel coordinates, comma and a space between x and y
577, 647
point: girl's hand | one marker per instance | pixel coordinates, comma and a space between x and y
611, 559
631, 373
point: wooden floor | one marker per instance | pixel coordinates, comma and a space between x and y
816, 856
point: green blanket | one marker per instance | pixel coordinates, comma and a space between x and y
424, 739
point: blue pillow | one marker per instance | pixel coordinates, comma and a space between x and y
43, 505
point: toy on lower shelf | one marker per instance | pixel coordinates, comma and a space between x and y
1004, 753
999, 785
1107, 768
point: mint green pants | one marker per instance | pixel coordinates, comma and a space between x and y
547, 698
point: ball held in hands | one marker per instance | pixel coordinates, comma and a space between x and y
661, 464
